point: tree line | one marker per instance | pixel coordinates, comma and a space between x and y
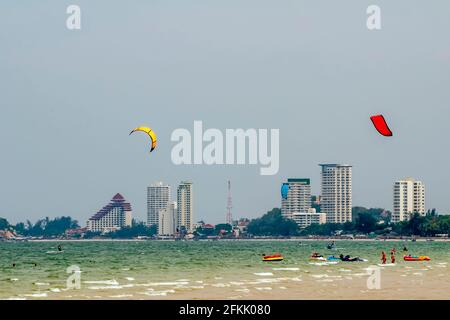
42, 228
373, 221
57, 227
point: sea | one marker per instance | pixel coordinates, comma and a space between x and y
218, 270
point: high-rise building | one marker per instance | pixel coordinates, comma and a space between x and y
409, 198
336, 197
298, 197
112, 217
185, 206
166, 224
158, 197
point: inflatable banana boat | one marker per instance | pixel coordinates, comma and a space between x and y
274, 257
419, 258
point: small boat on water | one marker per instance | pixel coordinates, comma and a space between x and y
333, 258
317, 257
274, 257
416, 258
346, 259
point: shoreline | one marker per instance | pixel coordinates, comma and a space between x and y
237, 240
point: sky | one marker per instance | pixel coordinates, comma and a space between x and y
312, 69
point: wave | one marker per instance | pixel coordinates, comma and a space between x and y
108, 282
36, 295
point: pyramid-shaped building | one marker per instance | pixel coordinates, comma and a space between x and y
112, 217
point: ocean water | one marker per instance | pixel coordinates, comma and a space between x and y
214, 270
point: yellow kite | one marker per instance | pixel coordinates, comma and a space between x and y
150, 133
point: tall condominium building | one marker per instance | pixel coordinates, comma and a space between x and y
336, 197
112, 217
158, 197
298, 197
166, 224
185, 206
409, 198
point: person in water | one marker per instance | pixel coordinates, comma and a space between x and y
59, 247
405, 249
383, 257
346, 258
392, 257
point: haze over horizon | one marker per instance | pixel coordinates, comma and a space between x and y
70, 98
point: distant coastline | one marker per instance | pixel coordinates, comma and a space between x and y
434, 239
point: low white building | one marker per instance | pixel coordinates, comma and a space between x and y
305, 219
166, 219
112, 217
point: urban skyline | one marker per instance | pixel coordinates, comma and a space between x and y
296, 206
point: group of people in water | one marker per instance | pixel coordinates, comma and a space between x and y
35, 264
332, 246
393, 252
384, 258
316, 255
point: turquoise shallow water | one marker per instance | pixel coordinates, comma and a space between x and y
140, 269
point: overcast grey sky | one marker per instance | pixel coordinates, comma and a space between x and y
68, 99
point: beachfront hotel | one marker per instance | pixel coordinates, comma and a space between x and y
298, 197
296, 205
185, 206
409, 198
166, 223
112, 217
336, 197
158, 197
305, 219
